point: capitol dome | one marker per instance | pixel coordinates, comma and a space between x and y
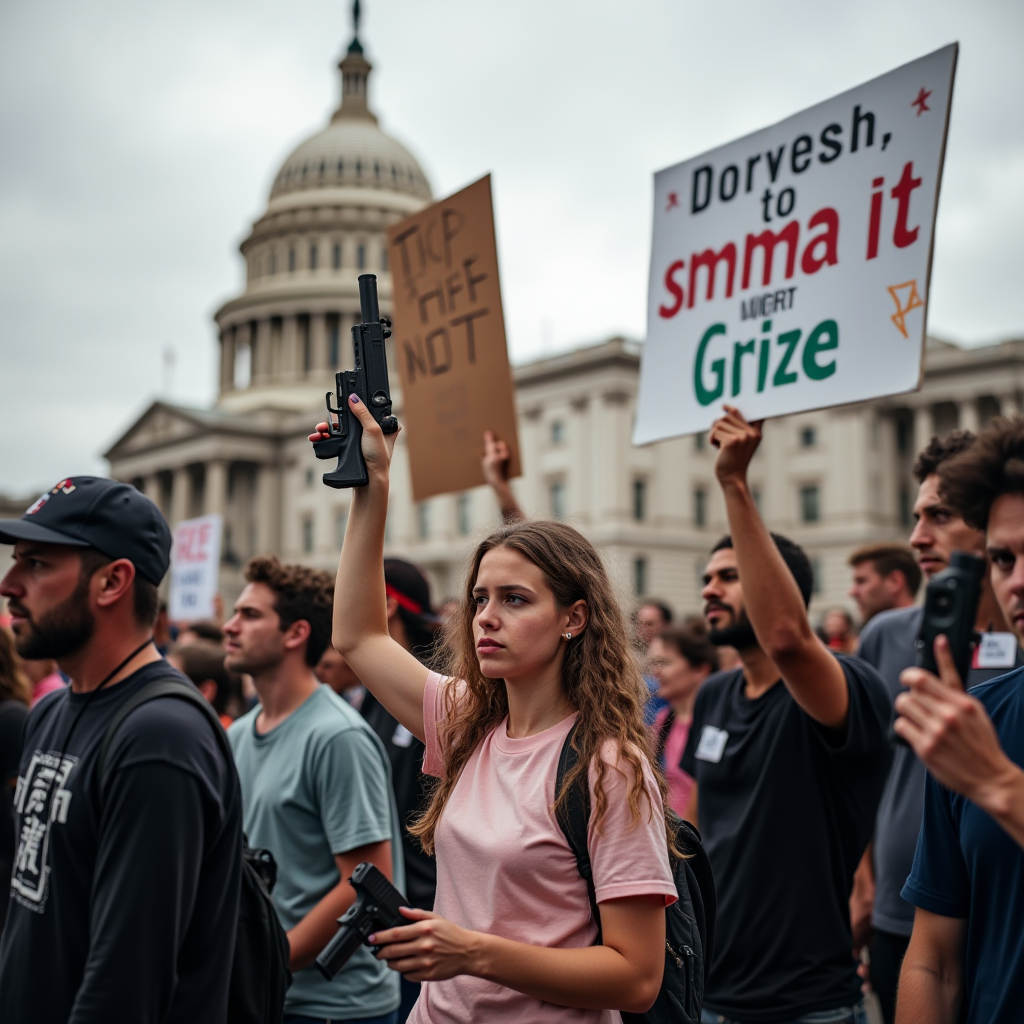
326, 222
352, 151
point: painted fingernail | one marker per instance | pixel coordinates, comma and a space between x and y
372, 939
353, 399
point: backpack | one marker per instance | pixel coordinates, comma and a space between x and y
259, 969
689, 922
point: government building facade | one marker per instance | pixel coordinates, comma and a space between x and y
831, 480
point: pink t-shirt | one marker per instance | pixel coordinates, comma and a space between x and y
504, 866
680, 783
54, 681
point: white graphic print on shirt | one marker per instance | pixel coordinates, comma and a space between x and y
41, 789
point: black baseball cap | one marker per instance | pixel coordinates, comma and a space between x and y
409, 587
94, 512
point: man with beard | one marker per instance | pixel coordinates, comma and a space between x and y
789, 754
316, 787
965, 961
889, 644
125, 888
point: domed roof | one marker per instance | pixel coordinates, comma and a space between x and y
352, 151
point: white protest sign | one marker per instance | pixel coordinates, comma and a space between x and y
195, 563
790, 269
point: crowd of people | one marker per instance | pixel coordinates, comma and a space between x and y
863, 818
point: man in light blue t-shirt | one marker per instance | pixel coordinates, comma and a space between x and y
316, 788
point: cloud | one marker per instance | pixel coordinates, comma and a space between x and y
140, 142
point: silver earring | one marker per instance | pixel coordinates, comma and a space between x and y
568, 636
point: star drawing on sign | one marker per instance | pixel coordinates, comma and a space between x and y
920, 103
673, 200
899, 318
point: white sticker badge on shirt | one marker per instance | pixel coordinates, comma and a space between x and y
712, 744
996, 650
402, 737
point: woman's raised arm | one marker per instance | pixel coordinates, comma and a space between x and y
360, 633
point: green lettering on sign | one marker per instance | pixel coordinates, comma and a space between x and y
707, 395
813, 369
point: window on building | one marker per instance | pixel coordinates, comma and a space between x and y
557, 494
808, 437
557, 432
639, 576
273, 262
903, 429
462, 514
333, 345
309, 477
816, 572
756, 495
700, 507
291, 261
340, 522
423, 519
243, 366
307, 534
336, 256
639, 500
700, 441
305, 346
905, 511
810, 503
312, 257
361, 257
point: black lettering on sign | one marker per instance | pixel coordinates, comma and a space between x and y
470, 337
438, 365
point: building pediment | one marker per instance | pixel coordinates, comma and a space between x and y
160, 425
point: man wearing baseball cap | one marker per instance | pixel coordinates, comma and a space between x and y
125, 888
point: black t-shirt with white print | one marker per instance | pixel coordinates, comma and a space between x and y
786, 808
123, 912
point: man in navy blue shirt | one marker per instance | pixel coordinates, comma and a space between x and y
966, 954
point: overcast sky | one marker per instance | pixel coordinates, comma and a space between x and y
138, 143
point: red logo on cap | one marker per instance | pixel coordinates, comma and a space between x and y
65, 486
37, 505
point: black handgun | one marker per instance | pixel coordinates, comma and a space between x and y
375, 908
369, 380
951, 607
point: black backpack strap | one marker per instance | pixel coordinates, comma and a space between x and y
666, 728
169, 686
574, 819
699, 865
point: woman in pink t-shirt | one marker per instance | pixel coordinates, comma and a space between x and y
680, 658
538, 645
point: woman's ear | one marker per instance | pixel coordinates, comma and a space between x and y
579, 615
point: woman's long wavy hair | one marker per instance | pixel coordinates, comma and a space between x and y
600, 675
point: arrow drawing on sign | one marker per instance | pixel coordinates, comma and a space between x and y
913, 300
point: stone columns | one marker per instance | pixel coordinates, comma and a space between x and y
216, 490
923, 428
261, 353
227, 359
179, 496
968, 415
318, 343
290, 355
268, 510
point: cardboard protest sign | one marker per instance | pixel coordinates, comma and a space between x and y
790, 269
450, 340
195, 563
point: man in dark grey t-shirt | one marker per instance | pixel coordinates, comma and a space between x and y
887, 643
